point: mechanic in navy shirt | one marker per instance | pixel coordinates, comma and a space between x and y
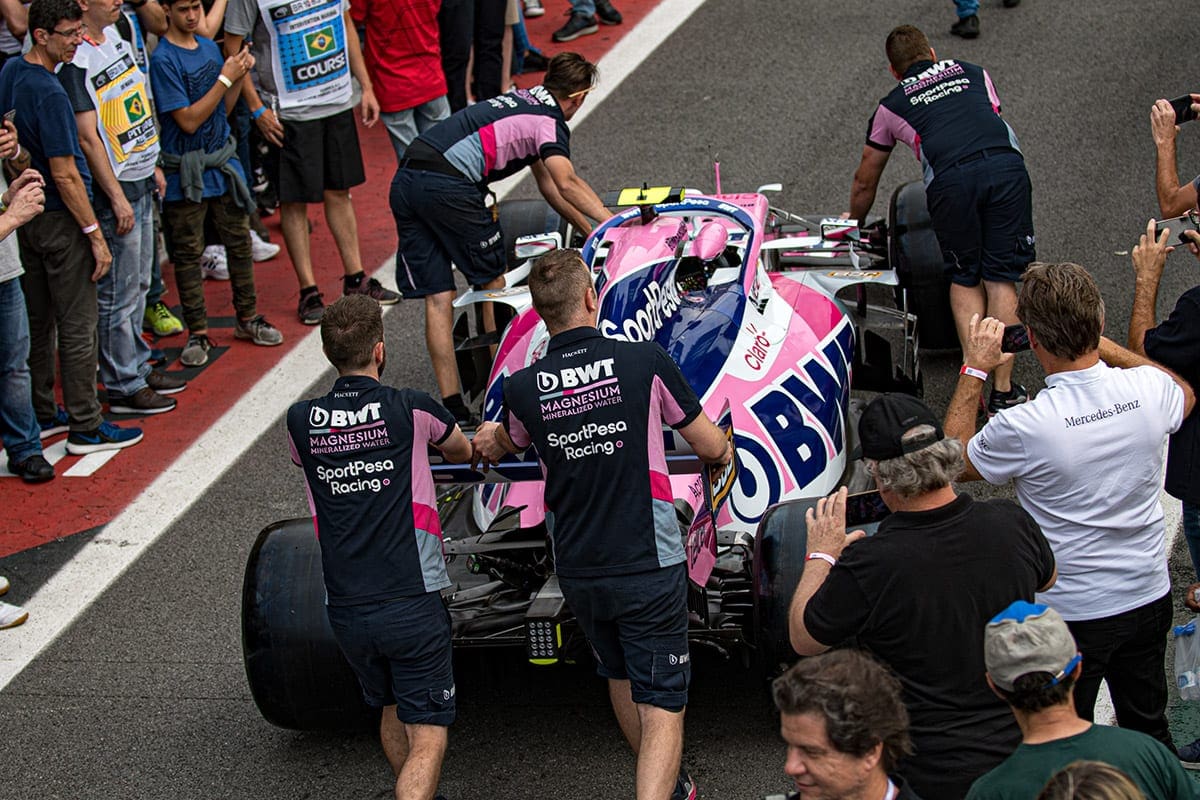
618, 551
364, 450
978, 190
439, 191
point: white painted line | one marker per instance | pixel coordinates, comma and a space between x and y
103, 560
54, 453
90, 463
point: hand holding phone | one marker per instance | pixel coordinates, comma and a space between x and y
1183, 109
1015, 340
1177, 225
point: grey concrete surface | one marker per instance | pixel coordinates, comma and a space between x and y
144, 696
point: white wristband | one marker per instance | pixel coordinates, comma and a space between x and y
17, 154
225, 80
974, 373
88, 229
830, 560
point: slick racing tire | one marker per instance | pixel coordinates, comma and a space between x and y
298, 676
780, 547
524, 217
916, 256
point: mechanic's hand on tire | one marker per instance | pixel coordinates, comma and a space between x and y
827, 525
983, 344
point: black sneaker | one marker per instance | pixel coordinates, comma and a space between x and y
998, 401
373, 288
685, 787
607, 14
144, 401
1189, 754
578, 25
165, 383
35, 469
311, 308
967, 27
534, 62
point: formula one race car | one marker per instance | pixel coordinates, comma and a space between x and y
779, 321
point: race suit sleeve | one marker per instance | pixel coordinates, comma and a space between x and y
431, 421
512, 423
879, 131
676, 398
557, 141
839, 609
991, 90
997, 452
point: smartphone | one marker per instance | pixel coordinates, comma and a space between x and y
1016, 339
11, 116
1177, 225
1183, 109
865, 508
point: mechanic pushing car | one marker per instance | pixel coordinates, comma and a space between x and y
617, 547
364, 451
440, 190
978, 191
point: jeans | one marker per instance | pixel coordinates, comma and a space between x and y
1128, 650
404, 126
61, 300
185, 221
18, 424
966, 8
585, 7
121, 299
1191, 531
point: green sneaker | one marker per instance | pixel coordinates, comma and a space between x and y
159, 320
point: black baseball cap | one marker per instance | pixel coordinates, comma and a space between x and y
887, 418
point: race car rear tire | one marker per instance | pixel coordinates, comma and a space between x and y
524, 217
780, 547
917, 258
298, 676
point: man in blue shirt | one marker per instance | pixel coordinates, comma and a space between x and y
63, 250
194, 89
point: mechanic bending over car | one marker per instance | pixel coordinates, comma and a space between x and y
439, 192
617, 547
364, 450
978, 191
1086, 459
919, 592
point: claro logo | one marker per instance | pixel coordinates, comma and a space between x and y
342, 418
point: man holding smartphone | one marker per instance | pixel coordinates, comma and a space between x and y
1174, 199
919, 592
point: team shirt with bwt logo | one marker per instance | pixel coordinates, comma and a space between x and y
944, 112
364, 450
594, 408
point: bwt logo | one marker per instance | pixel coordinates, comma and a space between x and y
339, 418
571, 377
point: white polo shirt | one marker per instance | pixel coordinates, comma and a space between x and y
1086, 457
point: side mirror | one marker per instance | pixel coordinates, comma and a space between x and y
536, 244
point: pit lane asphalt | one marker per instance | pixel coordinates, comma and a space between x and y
144, 696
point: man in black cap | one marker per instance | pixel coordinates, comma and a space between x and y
918, 593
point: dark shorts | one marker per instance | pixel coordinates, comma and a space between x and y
317, 155
442, 220
637, 627
982, 212
400, 651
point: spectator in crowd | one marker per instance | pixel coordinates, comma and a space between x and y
967, 25
955, 561
14, 22
583, 17
405, 64
438, 197
194, 91
980, 199
845, 727
1090, 780
617, 550
1174, 199
534, 8
62, 250
472, 35
10, 616
119, 137
381, 544
151, 17
1032, 663
1086, 459
19, 429
310, 122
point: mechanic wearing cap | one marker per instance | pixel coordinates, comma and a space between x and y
438, 197
918, 593
1032, 663
845, 727
1086, 459
979, 195
617, 547
363, 448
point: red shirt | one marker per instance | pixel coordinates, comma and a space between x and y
402, 52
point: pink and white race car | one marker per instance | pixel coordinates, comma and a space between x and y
778, 320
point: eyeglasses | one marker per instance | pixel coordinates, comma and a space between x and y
581, 92
74, 33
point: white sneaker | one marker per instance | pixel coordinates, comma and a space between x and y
11, 616
3, 584
260, 250
533, 8
213, 264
